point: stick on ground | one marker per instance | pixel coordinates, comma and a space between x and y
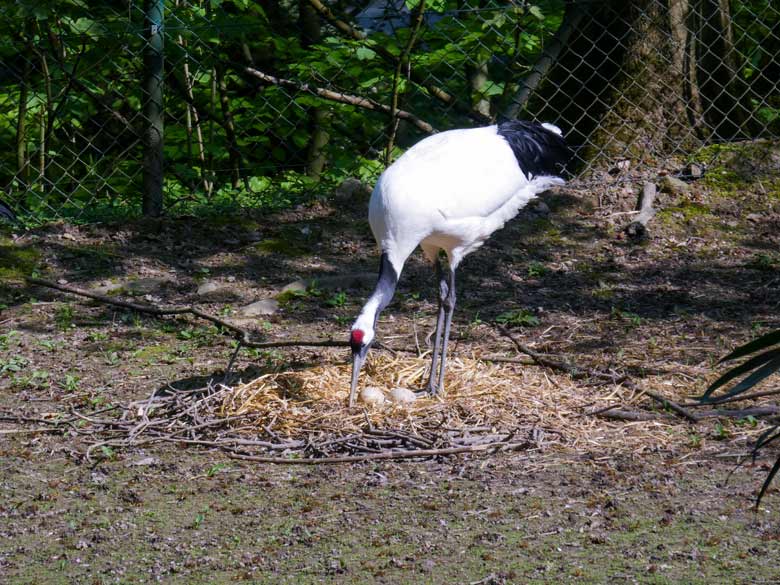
637, 229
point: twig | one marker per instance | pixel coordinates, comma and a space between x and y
243, 336
671, 404
402, 60
407, 454
737, 398
353, 100
637, 229
633, 415
577, 372
548, 58
422, 79
539, 358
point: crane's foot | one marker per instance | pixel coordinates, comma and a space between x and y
430, 390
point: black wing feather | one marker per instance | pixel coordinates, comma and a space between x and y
539, 151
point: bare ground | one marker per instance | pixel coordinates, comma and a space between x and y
617, 501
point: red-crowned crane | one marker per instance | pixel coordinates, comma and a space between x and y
449, 193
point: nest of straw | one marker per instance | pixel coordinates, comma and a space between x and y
480, 398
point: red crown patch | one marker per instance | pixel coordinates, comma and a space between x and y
356, 337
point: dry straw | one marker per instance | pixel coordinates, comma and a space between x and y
492, 398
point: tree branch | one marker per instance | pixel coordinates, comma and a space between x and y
352, 100
407, 454
546, 60
440, 94
577, 372
403, 60
243, 336
637, 229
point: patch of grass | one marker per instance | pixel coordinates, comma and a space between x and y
13, 364
154, 353
338, 299
11, 338
603, 291
281, 246
200, 336
632, 319
71, 383
764, 261
36, 380
51, 345
63, 317
17, 262
518, 318
536, 269
96, 336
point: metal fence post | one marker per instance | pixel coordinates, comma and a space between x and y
153, 109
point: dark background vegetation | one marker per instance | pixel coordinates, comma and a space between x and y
253, 104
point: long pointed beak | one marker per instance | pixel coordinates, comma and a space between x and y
357, 363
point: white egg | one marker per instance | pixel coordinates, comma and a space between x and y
372, 395
402, 396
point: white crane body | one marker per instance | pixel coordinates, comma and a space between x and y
450, 192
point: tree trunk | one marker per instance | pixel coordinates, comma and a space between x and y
624, 90
724, 96
319, 117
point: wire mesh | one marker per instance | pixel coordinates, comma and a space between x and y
271, 102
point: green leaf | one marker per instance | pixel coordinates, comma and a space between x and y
751, 364
365, 54
767, 481
761, 343
754, 378
537, 12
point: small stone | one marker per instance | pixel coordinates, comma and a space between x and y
372, 395
539, 207
674, 186
693, 171
145, 286
144, 461
402, 396
295, 286
208, 288
352, 189
263, 307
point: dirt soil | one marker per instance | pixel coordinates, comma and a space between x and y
562, 276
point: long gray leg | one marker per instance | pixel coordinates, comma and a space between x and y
442, 278
448, 304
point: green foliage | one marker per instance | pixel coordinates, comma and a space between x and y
518, 318
231, 141
765, 362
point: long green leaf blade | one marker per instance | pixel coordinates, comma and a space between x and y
752, 363
765, 439
754, 378
761, 343
767, 481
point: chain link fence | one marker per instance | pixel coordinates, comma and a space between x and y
111, 108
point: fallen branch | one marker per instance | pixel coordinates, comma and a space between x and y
242, 335
566, 367
407, 454
637, 229
352, 100
633, 415
578, 372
